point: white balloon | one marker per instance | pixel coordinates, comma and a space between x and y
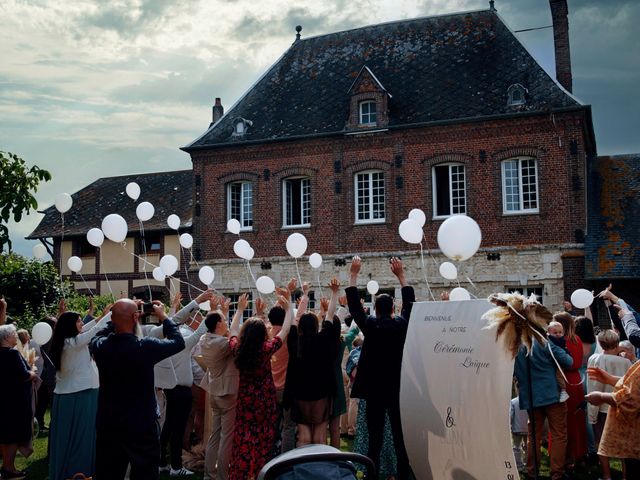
448, 270
206, 275
186, 240
419, 216
74, 264
233, 226
95, 237
133, 190
144, 211
251, 253
39, 251
158, 274
169, 265
296, 245
63, 202
315, 260
242, 249
114, 227
373, 287
206, 306
581, 298
410, 231
265, 285
459, 237
458, 294
173, 221
41, 333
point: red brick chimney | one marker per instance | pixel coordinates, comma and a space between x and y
218, 110
559, 15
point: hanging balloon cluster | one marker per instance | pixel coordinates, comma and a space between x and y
459, 238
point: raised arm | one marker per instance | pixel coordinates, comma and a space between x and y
334, 285
629, 322
408, 295
185, 312
286, 325
243, 303
353, 298
87, 334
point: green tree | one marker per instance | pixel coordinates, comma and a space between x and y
18, 183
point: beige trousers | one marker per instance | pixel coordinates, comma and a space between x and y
218, 452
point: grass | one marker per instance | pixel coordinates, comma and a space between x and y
37, 465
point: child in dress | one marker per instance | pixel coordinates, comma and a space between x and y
555, 333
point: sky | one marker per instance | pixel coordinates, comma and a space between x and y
94, 88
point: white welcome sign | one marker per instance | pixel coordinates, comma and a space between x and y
455, 393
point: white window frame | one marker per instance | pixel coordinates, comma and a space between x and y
361, 114
521, 210
242, 219
301, 200
370, 219
527, 290
434, 189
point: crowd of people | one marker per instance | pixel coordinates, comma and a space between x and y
580, 393
128, 387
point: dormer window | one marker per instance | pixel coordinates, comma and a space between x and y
368, 112
240, 126
516, 94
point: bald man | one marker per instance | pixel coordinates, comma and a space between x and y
126, 423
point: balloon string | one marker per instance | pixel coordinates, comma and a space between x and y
253, 277
85, 284
105, 274
298, 271
61, 244
186, 269
424, 273
319, 285
144, 266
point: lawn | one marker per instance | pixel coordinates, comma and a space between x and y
36, 465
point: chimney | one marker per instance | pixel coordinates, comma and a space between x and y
218, 110
559, 15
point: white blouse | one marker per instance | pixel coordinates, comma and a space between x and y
78, 371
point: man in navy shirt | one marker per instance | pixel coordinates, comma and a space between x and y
126, 423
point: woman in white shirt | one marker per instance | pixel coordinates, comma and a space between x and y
72, 438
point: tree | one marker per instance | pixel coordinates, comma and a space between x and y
18, 183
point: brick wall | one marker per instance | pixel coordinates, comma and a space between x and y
406, 156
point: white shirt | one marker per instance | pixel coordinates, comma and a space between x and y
78, 371
182, 360
612, 364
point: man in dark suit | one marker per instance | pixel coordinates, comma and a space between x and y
126, 423
378, 375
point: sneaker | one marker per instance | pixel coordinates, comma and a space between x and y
180, 472
164, 469
564, 396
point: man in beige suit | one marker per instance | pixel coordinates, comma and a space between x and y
221, 381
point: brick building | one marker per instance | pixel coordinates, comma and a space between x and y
347, 132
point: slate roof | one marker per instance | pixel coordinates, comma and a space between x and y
168, 192
440, 68
612, 245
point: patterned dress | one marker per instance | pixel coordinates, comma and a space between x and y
256, 415
576, 423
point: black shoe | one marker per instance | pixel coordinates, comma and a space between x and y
5, 474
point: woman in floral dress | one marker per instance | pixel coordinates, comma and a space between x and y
256, 412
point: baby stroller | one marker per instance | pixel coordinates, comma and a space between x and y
317, 462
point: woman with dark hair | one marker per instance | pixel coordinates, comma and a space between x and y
72, 439
256, 411
576, 422
313, 354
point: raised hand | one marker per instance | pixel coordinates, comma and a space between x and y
243, 301
260, 307
284, 292
356, 265
305, 288
177, 299
334, 285
398, 270
284, 302
291, 286
225, 305
204, 296
324, 306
